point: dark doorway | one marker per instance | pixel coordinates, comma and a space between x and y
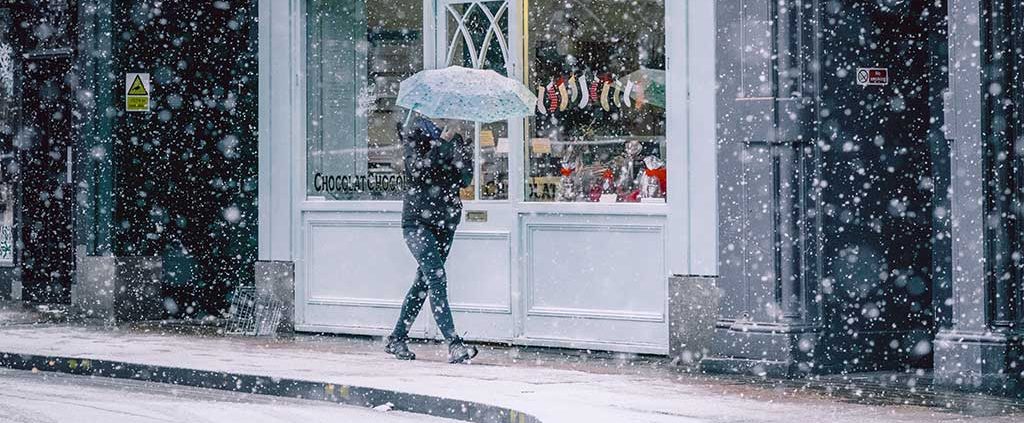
47, 231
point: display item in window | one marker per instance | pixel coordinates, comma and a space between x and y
653, 82
541, 108
573, 89
626, 95
564, 94
628, 172
617, 97
552, 98
584, 90
641, 98
605, 86
608, 188
653, 180
571, 163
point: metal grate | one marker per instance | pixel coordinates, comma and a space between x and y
251, 315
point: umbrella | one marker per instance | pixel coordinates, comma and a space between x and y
653, 81
466, 94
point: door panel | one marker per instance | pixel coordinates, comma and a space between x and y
47, 263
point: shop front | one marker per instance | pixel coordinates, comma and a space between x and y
576, 217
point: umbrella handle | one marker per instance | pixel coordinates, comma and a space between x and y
408, 117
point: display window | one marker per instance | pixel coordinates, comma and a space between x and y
358, 51
598, 68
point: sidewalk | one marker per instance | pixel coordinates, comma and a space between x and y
552, 387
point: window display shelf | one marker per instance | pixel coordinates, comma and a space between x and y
627, 169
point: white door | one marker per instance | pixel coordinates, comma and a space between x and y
475, 34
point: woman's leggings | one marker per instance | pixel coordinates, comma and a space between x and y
429, 246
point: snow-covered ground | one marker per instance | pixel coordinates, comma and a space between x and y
36, 397
554, 390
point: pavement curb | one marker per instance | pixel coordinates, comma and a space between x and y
359, 396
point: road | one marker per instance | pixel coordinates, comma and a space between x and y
39, 397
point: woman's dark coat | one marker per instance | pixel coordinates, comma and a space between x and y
435, 171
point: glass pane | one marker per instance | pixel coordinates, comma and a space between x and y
494, 148
598, 134
358, 52
477, 34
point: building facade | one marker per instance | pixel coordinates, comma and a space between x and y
89, 188
560, 245
867, 192
845, 172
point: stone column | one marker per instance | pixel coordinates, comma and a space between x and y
275, 280
766, 164
973, 351
692, 311
118, 289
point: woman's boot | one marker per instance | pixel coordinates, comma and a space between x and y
459, 352
399, 348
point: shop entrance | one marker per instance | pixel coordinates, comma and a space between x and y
46, 166
543, 256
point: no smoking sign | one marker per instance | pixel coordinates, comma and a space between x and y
872, 76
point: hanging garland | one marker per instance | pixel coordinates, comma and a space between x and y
566, 92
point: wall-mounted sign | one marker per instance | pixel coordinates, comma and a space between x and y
137, 92
872, 76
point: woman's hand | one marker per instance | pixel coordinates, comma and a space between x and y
448, 132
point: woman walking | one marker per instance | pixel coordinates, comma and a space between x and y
438, 163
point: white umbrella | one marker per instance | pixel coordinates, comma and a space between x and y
466, 94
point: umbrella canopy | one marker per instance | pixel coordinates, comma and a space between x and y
653, 81
466, 94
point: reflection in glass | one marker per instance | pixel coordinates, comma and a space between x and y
357, 53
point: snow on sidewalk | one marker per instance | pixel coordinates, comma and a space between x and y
552, 394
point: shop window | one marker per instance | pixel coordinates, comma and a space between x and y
357, 53
598, 68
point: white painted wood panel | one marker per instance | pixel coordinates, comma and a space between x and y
596, 280
358, 269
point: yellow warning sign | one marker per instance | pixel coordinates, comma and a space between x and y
137, 88
137, 92
137, 104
